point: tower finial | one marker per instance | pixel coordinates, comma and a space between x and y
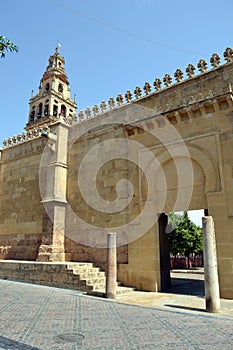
57, 47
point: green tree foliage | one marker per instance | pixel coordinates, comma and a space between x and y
6, 45
185, 237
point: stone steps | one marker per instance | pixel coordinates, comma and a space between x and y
90, 275
95, 278
78, 276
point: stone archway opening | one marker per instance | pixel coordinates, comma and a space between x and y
181, 272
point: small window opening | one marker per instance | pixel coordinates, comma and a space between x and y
63, 110
60, 88
55, 108
32, 114
39, 113
46, 110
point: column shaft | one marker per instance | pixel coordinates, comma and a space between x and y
210, 262
111, 275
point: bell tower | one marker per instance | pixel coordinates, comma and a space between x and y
53, 98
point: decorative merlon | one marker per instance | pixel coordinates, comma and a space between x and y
147, 88
25, 136
122, 100
37, 130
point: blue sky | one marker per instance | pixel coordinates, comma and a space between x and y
109, 46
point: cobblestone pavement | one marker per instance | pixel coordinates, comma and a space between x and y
43, 318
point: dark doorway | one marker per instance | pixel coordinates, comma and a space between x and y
164, 253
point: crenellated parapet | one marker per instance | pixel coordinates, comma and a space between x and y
157, 86
37, 130
25, 136
166, 101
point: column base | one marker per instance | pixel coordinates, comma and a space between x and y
60, 257
47, 254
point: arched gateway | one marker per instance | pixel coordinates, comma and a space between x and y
119, 167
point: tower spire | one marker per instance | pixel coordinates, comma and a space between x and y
53, 97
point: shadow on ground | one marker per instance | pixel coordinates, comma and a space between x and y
185, 307
187, 286
9, 344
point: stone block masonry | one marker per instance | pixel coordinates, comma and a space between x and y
82, 276
21, 211
185, 126
79, 276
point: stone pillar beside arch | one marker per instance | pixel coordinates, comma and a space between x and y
53, 183
217, 208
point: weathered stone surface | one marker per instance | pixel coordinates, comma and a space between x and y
199, 110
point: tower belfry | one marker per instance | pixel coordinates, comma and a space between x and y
53, 98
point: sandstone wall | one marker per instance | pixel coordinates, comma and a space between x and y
87, 249
196, 114
21, 212
187, 128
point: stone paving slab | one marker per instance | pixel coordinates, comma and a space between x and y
36, 317
187, 295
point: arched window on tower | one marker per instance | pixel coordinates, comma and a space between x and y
32, 114
60, 88
47, 87
63, 110
55, 108
39, 112
46, 110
